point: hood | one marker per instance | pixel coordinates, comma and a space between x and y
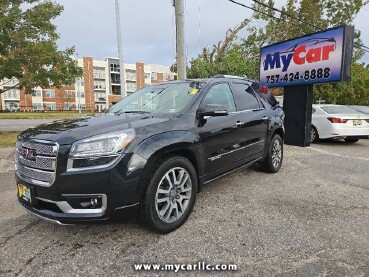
70, 130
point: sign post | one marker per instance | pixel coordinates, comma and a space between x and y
298, 64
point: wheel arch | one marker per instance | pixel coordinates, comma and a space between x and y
160, 147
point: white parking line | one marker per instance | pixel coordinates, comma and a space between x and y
337, 155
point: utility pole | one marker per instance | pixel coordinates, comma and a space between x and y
79, 95
180, 39
120, 50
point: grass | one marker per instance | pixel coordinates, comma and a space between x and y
41, 115
7, 139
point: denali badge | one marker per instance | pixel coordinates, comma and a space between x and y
29, 154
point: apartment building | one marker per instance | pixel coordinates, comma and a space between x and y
97, 89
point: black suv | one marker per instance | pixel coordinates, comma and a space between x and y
150, 154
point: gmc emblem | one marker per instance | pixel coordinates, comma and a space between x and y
29, 154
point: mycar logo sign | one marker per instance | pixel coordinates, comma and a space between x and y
323, 57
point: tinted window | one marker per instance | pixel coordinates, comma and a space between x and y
220, 94
245, 97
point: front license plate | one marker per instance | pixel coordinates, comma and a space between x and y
357, 122
25, 193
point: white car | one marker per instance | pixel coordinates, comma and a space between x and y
338, 122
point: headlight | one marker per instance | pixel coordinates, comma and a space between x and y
99, 151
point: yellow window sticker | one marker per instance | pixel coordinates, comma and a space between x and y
194, 91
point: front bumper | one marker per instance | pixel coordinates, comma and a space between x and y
119, 186
124, 213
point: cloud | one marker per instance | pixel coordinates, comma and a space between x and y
148, 27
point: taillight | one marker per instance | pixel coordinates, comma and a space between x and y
264, 89
367, 120
337, 120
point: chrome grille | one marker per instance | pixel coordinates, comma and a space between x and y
40, 170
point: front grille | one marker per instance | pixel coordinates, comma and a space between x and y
41, 167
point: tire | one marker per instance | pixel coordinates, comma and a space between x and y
273, 161
314, 136
164, 209
351, 140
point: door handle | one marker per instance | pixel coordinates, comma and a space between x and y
240, 123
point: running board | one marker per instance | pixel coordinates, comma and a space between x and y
233, 170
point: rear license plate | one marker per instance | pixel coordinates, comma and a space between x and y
25, 193
357, 123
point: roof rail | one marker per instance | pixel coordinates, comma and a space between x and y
229, 76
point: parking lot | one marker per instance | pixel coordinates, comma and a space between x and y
310, 219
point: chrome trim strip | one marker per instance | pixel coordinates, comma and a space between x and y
230, 152
30, 180
67, 209
128, 206
81, 169
233, 170
252, 110
44, 218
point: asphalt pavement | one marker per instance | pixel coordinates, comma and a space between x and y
21, 124
310, 219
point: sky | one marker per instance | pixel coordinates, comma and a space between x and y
148, 32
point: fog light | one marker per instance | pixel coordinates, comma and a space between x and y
91, 202
94, 202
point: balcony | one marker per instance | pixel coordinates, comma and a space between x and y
103, 88
11, 96
100, 99
131, 77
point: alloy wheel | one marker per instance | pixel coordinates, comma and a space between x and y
276, 153
173, 194
312, 135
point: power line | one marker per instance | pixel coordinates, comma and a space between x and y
302, 21
279, 19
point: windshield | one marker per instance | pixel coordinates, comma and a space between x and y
164, 99
339, 110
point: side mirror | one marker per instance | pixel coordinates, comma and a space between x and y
212, 110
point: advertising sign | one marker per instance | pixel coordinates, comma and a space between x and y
323, 57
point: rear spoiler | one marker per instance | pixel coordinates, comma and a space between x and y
264, 92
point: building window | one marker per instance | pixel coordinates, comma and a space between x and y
50, 106
147, 75
68, 106
114, 67
50, 93
37, 106
131, 87
154, 76
11, 94
115, 79
81, 107
68, 94
81, 94
99, 85
165, 77
37, 93
131, 75
99, 73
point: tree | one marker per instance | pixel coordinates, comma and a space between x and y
225, 57
28, 50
